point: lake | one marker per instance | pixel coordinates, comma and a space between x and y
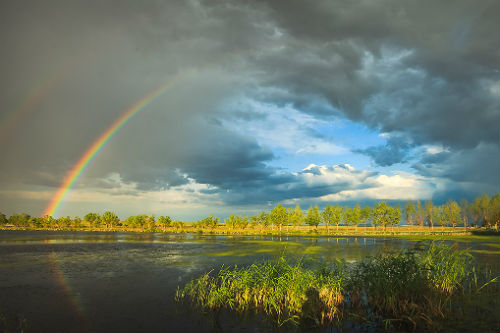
102, 282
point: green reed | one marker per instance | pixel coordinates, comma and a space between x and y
409, 290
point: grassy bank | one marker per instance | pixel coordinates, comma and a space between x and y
439, 288
187, 227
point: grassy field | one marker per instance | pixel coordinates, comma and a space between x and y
417, 232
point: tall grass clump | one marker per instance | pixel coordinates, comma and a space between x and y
392, 289
279, 289
439, 288
448, 267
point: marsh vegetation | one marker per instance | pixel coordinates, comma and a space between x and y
437, 288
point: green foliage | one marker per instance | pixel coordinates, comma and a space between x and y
448, 267
264, 219
451, 211
352, 215
382, 214
438, 216
111, 219
365, 214
403, 291
3, 219
410, 212
313, 216
165, 221
20, 220
297, 217
337, 214
279, 216
327, 215
209, 222
92, 217
420, 215
282, 291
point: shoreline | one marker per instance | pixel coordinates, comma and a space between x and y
412, 232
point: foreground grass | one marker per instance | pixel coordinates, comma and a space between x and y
435, 289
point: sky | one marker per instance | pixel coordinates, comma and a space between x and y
266, 102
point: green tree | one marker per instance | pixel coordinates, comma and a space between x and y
210, 222
428, 213
230, 221
410, 213
451, 212
110, 219
264, 219
395, 215
366, 213
297, 217
420, 215
313, 216
48, 221
64, 222
279, 216
20, 220
382, 214
337, 212
254, 221
476, 210
77, 222
37, 222
242, 221
494, 210
356, 211
348, 216
439, 216
3, 219
465, 208
94, 219
165, 221
484, 208
327, 215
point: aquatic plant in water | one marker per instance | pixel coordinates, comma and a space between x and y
406, 290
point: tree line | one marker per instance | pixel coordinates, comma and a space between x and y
483, 210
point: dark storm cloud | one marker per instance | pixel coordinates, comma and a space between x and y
310, 183
396, 150
478, 165
426, 69
439, 92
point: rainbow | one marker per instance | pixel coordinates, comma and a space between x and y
73, 175
10, 122
73, 297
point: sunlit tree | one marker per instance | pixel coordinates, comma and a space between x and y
337, 212
313, 216
494, 210
3, 219
279, 216
366, 213
410, 213
429, 213
327, 215
381, 214
297, 217
420, 215
451, 212
395, 217
110, 219
165, 221
465, 208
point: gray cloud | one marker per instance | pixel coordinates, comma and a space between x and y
425, 69
396, 150
477, 165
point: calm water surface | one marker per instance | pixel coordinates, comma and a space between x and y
125, 282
